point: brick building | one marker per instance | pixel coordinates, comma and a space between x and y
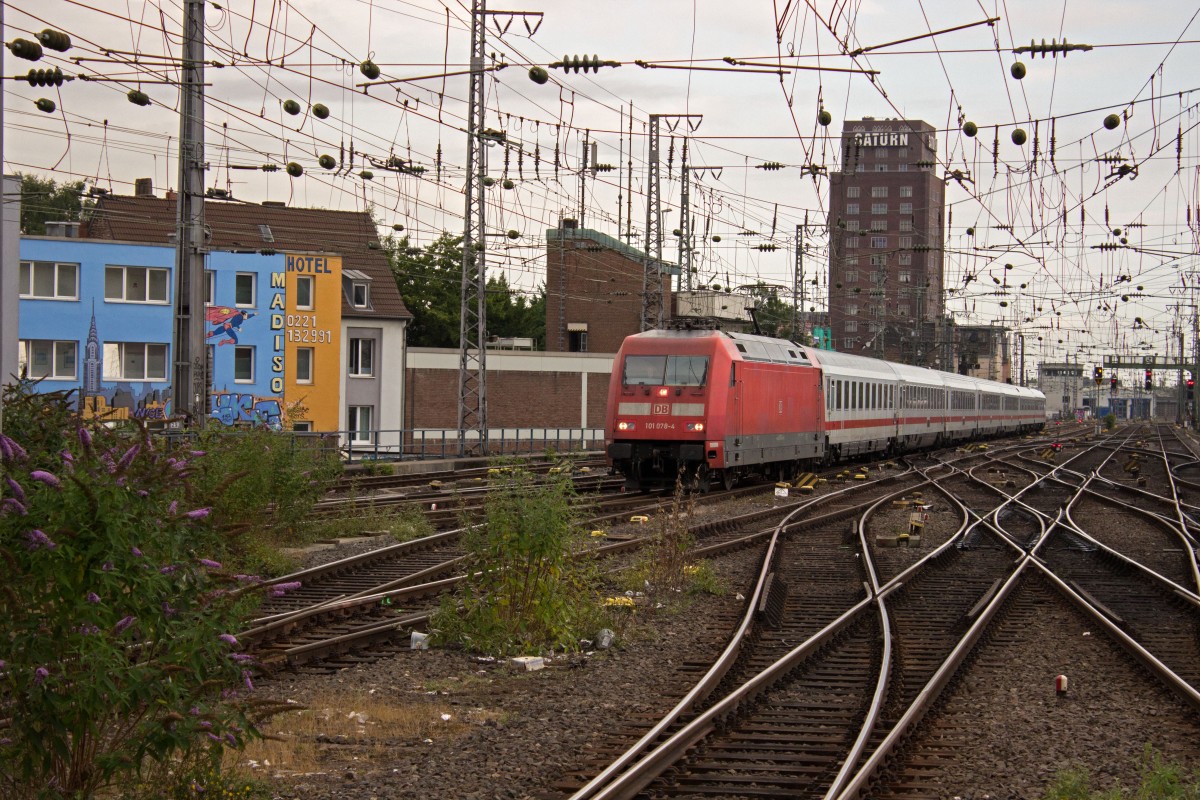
885, 232
594, 290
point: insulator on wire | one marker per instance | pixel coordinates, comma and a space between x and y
138, 98
23, 48
583, 64
45, 105
55, 40
45, 77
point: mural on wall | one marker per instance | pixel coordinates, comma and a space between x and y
121, 400
228, 321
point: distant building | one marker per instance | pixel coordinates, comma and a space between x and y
594, 290
1065, 388
982, 352
886, 230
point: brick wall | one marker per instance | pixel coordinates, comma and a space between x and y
602, 287
524, 389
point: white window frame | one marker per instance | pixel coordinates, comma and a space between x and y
355, 286
848, 343
851, 208
360, 434
303, 355
852, 309
906, 242
906, 191
906, 208
25, 359
852, 241
904, 276
851, 326
879, 208
852, 224
26, 282
879, 191
881, 167
850, 276
879, 224
851, 261
302, 426
906, 225
852, 191
879, 241
243, 350
355, 360
305, 280
126, 272
115, 354
237, 279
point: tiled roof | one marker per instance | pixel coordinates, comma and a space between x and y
248, 226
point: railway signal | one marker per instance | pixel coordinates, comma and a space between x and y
1098, 375
1149, 379
1112, 384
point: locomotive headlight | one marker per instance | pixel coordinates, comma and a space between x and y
663, 392
695, 426
624, 426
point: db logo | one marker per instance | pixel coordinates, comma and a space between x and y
661, 408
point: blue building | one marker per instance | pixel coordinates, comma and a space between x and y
97, 317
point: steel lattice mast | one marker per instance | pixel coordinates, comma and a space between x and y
652, 282
472, 350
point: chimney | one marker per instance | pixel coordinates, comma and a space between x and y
171, 194
274, 204
143, 187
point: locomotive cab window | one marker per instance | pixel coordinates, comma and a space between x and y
665, 371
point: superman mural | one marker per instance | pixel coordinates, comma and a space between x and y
228, 322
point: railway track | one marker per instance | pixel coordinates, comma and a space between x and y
799, 725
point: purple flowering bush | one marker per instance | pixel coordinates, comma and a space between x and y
116, 645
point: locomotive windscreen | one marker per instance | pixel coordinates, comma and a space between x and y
665, 371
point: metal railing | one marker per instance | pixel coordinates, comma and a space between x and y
430, 443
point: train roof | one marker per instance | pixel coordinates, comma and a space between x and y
783, 351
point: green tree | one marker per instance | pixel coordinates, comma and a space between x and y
430, 281
45, 200
774, 315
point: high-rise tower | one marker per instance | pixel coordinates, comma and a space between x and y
886, 231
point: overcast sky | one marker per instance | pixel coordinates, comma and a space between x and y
1024, 212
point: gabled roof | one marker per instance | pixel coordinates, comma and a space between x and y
240, 226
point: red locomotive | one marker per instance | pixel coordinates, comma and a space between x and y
715, 406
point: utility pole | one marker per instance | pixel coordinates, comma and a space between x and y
652, 271
798, 299
652, 279
190, 375
472, 334
685, 221
472, 337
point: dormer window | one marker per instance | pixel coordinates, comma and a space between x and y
357, 286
